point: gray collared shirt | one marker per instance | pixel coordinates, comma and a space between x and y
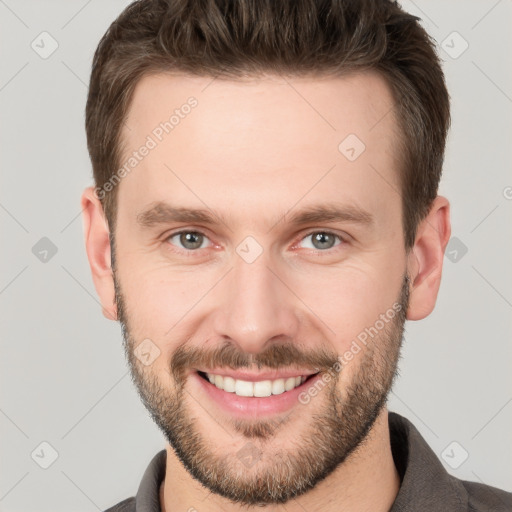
425, 486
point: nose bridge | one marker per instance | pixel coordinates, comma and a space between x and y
254, 305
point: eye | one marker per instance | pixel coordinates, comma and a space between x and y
322, 240
189, 240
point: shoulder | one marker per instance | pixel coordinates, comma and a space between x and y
127, 505
483, 498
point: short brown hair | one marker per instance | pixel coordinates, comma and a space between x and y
237, 38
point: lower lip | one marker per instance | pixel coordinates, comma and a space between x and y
251, 406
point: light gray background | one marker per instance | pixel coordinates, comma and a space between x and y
64, 380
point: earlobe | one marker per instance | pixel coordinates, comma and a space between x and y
426, 259
97, 244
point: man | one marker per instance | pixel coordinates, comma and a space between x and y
265, 218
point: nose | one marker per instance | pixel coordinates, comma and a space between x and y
255, 306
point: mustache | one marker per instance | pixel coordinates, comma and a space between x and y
277, 356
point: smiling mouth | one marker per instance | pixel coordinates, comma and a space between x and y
260, 389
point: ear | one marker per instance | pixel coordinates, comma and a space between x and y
425, 260
97, 244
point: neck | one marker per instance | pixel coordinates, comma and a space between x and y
367, 480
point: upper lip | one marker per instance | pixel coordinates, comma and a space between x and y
254, 377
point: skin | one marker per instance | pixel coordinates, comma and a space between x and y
255, 152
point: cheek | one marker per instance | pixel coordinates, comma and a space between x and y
154, 302
351, 301
155, 311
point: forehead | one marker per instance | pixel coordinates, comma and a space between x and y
330, 106
261, 138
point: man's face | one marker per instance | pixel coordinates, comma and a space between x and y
254, 290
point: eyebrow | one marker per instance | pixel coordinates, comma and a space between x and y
164, 213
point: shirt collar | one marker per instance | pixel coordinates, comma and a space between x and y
148, 495
425, 483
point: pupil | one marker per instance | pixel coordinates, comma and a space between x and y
191, 240
323, 239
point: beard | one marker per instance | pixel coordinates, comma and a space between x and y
338, 421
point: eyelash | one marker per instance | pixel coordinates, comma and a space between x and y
190, 252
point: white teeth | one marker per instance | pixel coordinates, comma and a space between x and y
289, 384
278, 387
229, 384
242, 388
263, 388
258, 389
